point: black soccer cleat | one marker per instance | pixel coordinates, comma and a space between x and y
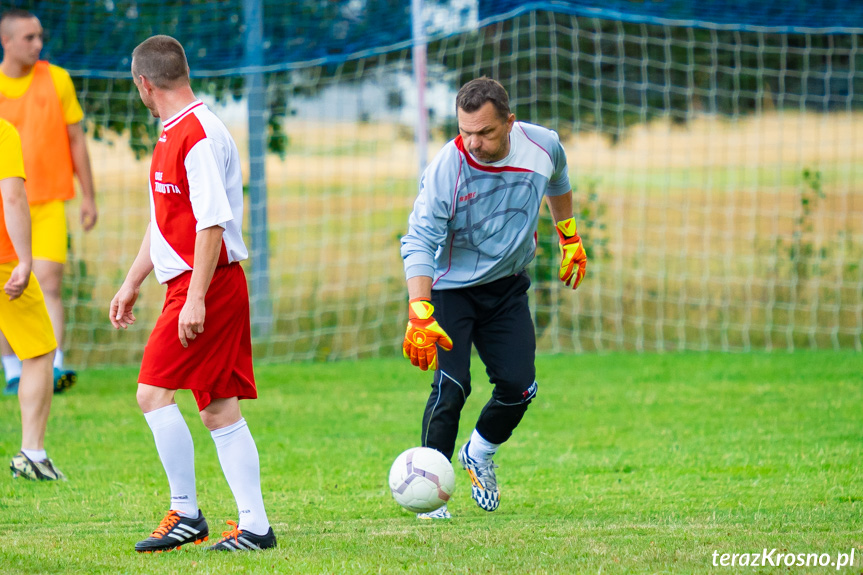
238, 540
173, 532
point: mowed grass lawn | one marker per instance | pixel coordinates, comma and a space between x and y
623, 464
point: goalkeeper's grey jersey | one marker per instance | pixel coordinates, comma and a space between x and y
474, 223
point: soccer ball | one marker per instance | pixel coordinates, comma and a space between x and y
422, 479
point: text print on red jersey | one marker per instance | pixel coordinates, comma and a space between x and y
164, 188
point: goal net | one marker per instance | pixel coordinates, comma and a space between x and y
715, 158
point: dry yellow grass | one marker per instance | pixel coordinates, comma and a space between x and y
783, 139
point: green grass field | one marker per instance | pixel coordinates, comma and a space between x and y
623, 464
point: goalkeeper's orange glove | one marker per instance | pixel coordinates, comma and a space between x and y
422, 334
573, 261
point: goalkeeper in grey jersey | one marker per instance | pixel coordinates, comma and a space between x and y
471, 235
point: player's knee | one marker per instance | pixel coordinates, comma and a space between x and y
41, 365
51, 290
50, 276
221, 413
513, 378
211, 421
515, 394
151, 398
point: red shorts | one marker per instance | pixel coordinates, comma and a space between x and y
218, 362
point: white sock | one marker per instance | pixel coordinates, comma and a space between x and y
479, 448
58, 359
11, 366
238, 455
35, 454
177, 452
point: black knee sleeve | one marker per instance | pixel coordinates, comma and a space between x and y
514, 395
503, 412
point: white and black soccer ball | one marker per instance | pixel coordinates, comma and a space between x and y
421, 479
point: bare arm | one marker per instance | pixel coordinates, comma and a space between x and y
81, 164
120, 312
560, 206
419, 286
17, 218
208, 244
143, 265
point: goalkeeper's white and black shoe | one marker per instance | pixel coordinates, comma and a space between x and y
236, 539
439, 513
23, 466
173, 532
483, 480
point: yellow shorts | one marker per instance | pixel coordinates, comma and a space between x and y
24, 321
50, 236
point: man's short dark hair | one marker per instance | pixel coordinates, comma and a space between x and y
474, 95
14, 14
162, 60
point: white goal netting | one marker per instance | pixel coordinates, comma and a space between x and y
717, 174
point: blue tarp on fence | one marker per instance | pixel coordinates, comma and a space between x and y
98, 37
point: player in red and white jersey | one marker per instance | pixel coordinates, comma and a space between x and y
195, 183
194, 244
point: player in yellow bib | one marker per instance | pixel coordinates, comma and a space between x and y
23, 316
39, 99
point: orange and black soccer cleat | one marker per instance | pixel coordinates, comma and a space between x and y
174, 531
